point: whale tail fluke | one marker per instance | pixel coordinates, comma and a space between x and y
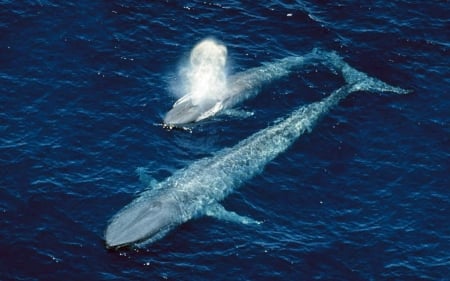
359, 80
363, 82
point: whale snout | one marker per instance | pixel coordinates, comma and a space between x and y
140, 221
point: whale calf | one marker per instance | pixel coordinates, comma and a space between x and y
211, 91
198, 189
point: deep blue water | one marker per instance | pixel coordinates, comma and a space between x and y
364, 196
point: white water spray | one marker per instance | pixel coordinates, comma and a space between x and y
205, 79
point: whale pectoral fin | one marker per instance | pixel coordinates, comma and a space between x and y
145, 178
239, 113
218, 211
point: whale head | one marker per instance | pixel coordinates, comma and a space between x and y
141, 221
203, 84
183, 112
188, 110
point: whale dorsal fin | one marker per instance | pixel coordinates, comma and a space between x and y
217, 211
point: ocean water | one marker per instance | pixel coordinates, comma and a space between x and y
84, 88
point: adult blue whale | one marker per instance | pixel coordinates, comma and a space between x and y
239, 87
198, 189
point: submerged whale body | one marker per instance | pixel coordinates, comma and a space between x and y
198, 189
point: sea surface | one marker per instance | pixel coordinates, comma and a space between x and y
84, 87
